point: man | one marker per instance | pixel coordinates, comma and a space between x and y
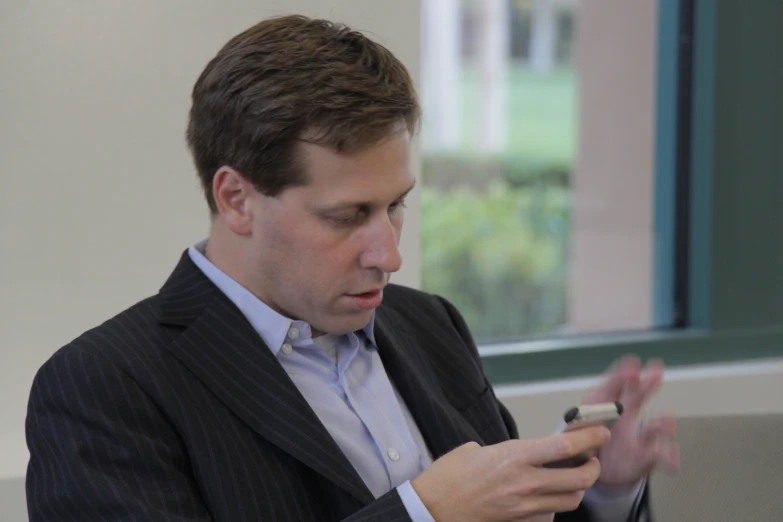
276, 375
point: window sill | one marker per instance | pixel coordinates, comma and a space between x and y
580, 356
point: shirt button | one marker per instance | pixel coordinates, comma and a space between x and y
293, 333
287, 349
393, 454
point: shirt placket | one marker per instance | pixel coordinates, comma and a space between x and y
378, 410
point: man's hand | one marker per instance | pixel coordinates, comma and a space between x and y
507, 481
635, 450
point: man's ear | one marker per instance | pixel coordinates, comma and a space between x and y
232, 192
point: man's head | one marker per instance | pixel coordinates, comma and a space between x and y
300, 133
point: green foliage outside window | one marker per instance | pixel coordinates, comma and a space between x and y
495, 230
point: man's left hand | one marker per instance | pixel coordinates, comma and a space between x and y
635, 449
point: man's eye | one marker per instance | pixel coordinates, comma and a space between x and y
397, 205
346, 220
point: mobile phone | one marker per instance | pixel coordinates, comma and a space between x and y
578, 417
605, 413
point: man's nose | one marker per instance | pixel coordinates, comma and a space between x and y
384, 252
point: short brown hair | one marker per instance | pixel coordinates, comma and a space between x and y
291, 79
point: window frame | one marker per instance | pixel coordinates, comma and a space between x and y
725, 232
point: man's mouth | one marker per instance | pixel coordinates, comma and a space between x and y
367, 292
368, 299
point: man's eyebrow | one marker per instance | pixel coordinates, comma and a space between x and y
408, 191
365, 204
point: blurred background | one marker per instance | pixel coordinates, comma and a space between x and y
596, 177
529, 155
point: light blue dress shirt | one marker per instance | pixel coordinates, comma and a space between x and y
344, 381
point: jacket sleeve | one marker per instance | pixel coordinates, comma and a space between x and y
641, 511
101, 450
388, 508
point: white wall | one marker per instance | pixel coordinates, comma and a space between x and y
99, 195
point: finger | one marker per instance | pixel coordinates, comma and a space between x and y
654, 365
564, 445
637, 394
467, 447
628, 362
666, 454
547, 517
652, 377
566, 480
660, 450
616, 378
665, 425
557, 503
670, 456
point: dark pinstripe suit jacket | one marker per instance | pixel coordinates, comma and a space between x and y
175, 410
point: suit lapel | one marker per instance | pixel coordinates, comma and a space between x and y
441, 425
224, 351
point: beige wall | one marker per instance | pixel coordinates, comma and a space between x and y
612, 224
99, 196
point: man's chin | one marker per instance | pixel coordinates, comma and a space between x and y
348, 323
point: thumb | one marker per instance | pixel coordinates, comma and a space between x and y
465, 448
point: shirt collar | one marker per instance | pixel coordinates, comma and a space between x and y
369, 329
274, 328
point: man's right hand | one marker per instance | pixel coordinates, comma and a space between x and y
507, 481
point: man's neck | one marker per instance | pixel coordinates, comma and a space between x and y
223, 251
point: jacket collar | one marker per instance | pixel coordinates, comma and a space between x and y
228, 356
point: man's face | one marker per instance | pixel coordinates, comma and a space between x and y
325, 250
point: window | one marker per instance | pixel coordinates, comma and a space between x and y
546, 209
707, 91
